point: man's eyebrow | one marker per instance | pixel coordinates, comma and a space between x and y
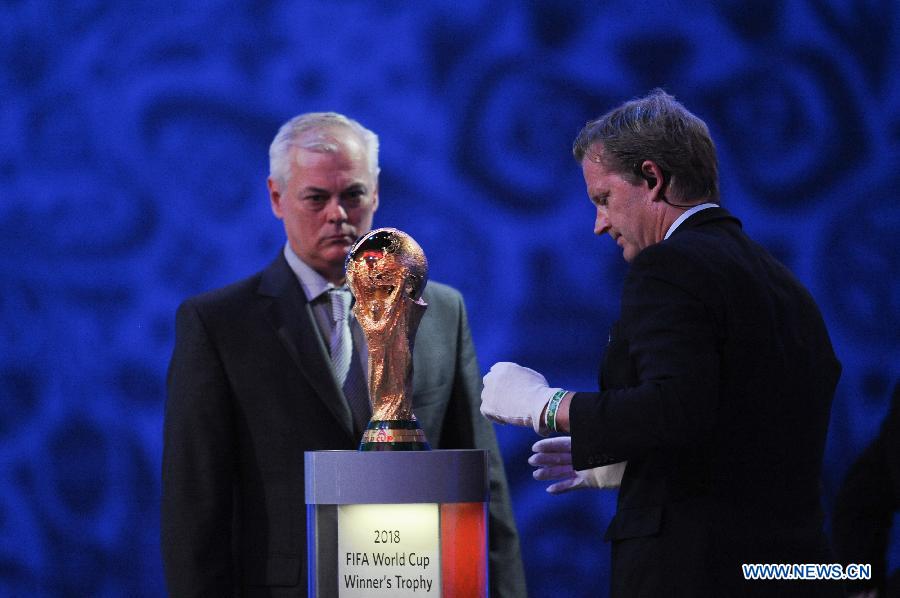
320, 191
312, 189
355, 188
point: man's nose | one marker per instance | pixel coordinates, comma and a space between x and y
601, 225
335, 211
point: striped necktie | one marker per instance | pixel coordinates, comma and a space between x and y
345, 360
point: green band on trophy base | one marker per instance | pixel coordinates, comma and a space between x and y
394, 435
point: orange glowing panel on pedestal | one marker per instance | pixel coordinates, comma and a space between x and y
464, 550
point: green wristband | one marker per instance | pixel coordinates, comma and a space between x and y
552, 407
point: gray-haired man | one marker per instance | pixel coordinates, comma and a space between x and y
251, 385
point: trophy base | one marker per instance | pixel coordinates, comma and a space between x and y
394, 435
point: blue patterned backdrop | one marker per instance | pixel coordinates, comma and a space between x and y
132, 173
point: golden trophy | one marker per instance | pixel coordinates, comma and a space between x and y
387, 272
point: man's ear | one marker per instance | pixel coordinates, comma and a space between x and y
375, 198
274, 197
653, 176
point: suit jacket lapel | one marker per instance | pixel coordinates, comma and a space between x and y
291, 318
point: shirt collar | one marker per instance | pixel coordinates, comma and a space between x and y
687, 215
313, 283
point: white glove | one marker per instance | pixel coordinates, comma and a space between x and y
515, 395
553, 459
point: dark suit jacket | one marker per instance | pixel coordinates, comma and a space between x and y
716, 387
866, 504
250, 389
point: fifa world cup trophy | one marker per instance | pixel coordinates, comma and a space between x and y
387, 272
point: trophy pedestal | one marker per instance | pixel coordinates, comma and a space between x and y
394, 435
397, 523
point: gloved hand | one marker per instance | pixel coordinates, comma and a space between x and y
553, 459
515, 395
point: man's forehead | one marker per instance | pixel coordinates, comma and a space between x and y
595, 154
593, 164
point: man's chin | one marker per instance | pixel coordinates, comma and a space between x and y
335, 247
337, 256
